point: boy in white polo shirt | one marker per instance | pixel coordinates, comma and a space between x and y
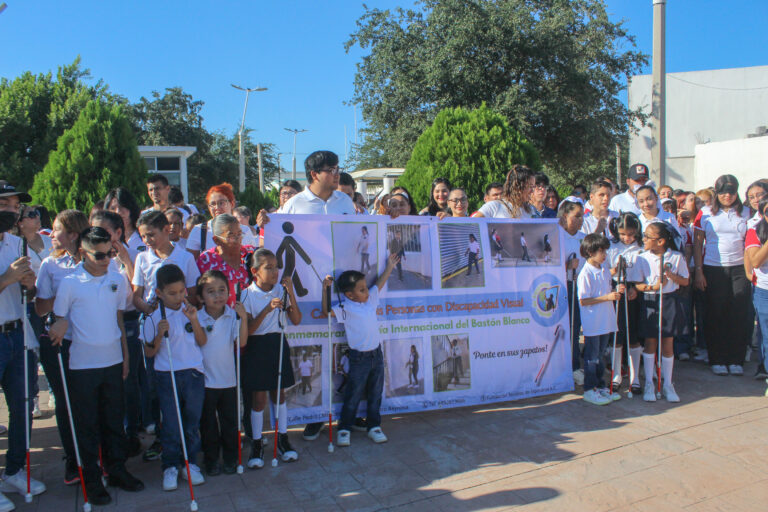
366, 363
185, 336
598, 318
155, 231
92, 299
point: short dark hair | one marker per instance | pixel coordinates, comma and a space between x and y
592, 243
195, 219
207, 277
600, 184
348, 280
175, 195
580, 186
346, 179
295, 185
319, 159
154, 219
256, 259
541, 179
114, 220
169, 274
493, 185
94, 235
155, 178
244, 211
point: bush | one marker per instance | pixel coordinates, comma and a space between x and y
254, 199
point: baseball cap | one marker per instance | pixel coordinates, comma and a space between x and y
8, 190
638, 171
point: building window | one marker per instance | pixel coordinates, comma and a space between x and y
168, 163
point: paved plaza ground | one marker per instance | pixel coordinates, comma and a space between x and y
556, 453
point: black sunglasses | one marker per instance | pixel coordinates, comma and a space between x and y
98, 255
726, 189
31, 214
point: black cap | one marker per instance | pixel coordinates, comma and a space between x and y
8, 190
638, 171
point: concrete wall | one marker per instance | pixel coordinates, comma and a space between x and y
702, 106
747, 159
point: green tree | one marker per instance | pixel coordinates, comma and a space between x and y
553, 68
97, 154
469, 147
34, 111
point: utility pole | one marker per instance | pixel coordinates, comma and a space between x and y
279, 172
618, 167
261, 169
295, 131
659, 96
241, 150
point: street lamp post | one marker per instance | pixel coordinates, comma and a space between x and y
295, 131
659, 93
241, 149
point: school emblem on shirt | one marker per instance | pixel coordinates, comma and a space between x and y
113, 287
188, 327
141, 248
208, 328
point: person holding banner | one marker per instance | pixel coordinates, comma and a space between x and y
571, 215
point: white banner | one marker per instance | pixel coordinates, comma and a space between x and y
476, 311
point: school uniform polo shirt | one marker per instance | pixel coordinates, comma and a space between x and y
134, 245
193, 240
598, 318
10, 297
724, 234
360, 323
306, 202
148, 262
219, 350
184, 349
90, 304
648, 266
590, 223
624, 202
630, 254
254, 301
572, 245
663, 216
52, 271
502, 209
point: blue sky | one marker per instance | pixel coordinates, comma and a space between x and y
295, 48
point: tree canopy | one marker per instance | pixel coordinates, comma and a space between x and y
470, 148
553, 68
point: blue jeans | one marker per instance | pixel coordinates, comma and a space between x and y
573, 292
594, 367
190, 385
760, 299
365, 380
12, 380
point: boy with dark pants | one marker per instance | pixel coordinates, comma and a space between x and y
92, 299
366, 362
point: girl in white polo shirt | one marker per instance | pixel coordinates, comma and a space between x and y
720, 273
650, 210
571, 217
222, 324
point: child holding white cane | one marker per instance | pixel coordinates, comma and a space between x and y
223, 326
659, 243
598, 319
366, 362
263, 301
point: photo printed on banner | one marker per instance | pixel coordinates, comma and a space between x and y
521, 244
450, 362
307, 369
403, 367
461, 255
414, 270
355, 247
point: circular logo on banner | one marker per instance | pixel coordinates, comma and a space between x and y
549, 298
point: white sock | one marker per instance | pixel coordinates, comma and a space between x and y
616, 365
257, 424
635, 354
666, 369
283, 427
649, 361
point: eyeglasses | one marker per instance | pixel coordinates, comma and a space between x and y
458, 200
288, 193
218, 204
333, 170
31, 214
98, 255
646, 237
397, 204
232, 237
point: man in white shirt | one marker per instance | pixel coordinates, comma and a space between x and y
637, 176
158, 189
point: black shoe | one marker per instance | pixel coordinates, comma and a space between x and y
134, 447
212, 468
229, 469
71, 474
359, 425
636, 389
287, 453
121, 478
761, 373
256, 460
312, 431
153, 452
97, 494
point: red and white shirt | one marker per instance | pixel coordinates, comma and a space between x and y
760, 274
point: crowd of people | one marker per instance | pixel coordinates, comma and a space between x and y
145, 317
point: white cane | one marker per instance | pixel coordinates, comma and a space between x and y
330, 372
237, 398
28, 495
279, 372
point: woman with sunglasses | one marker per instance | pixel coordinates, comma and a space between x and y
719, 272
221, 201
63, 260
229, 254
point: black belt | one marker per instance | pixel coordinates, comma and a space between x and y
10, 326
131, 316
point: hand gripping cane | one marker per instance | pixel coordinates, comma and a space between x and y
193, 504
237, 399
658, 347
24, 322
330, 372
281, 323
623, 269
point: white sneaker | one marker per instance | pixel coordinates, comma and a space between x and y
701, 356
195, 473
649, 394
377, 436
6, 505
578, 377
170, 479
606, 392
735, 369
18, 483
719, 369
594, 397
684, 356
36, 408
669, 393
342, 438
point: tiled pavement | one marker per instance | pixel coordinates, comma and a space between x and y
710, 452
